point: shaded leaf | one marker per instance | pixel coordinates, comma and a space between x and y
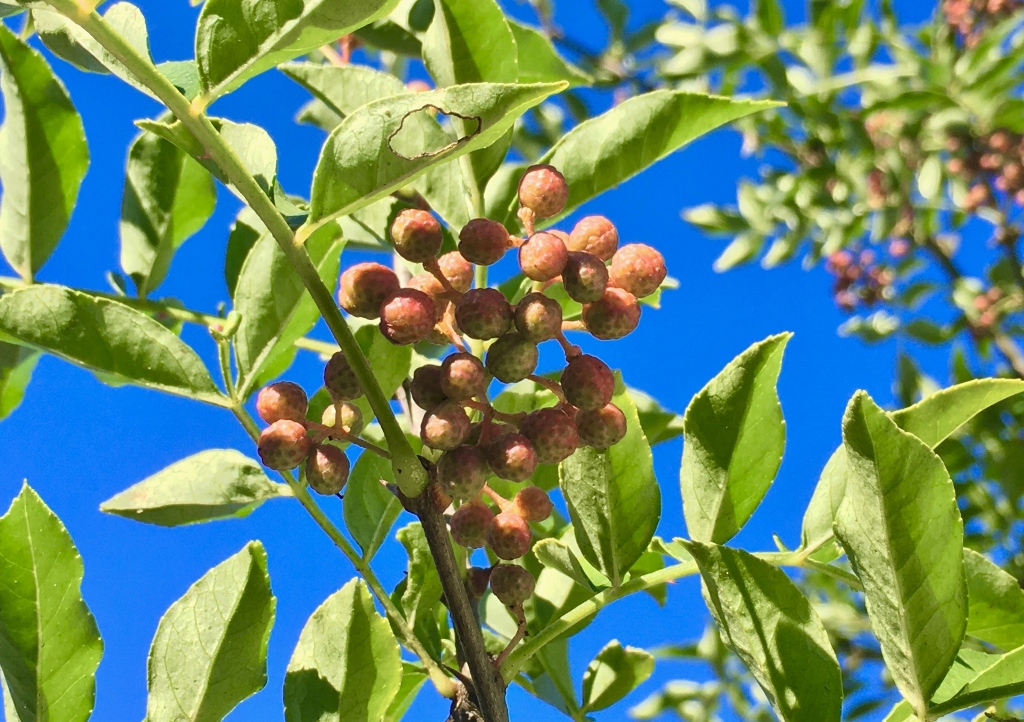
43, 157
346, 88
413, 678
49, 644
539, 62
613, 673
370, 508
658, 424
214, 484
734, 436
16, 366
210, 648
423, 586
347, 664
557, 555
901, 529
996, 611
108, 337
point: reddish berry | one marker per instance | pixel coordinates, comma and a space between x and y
496, 429
483, 313
601, 428
543, 256
283, 445
416, 235
508, 536
477, 579
457, 270
426, 387
343, 415
282, 400
426, 283
483, 241
512, 358
512, 457
327, 469
595, 235
552, 433
463, 376
585, 277
340, 379
445, 426
614, 316
407, 316
512, 584
588, 383
364, 286
543, 190
533, 504
538, 318
469, 524
462, 472
638, 269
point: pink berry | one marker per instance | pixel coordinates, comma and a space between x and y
543, 256
512, 457
462, 472
327, 469
483, 314
543, 190
445, 426
407, 316
283, 445
463, 377
595, 235
483, 241
426, 387
343, 415
552, 433
585, 277
512, 584
512, 358
457, 270
426, 283
282, 400
509, 536
538, 317
533, 504
615, 315
601, 428
588, 383
364, 286
416, 235
469, 524
340, 379
638, 269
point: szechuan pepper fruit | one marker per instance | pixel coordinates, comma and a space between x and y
533, 504
512, 358
483, 241
552, 433
457, 270
469, 524
595, 235
340, 379
601, 428
588, 383
543, 256
638, 269
416, 235
463, 377
282, 400
483, 314
344, 415
445, 426
284, 445
543, 190
512, 457
614, 315
512, 584
462, 472
364, 286
327, 469
538, 317
509, 536
407, 316
585, 277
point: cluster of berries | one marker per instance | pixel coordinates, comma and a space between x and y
970, 18
991, 164
440, 306
858, 279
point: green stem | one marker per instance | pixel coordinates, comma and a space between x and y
409, 473
982, 696
321, 347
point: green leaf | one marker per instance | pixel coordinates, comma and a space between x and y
613, 496
236, 40
16, 366
210, 648
43, 157
347, 664
613, 673
539, 62
413, 678
167, 197
245, 232
734, 436
422, 584
1003, 679
346, 88
658, 424
105, 336
772, 627
378, 149
901, 529
933, 420
370, 508
214, 484
558, 555
605, 151
275, 306
996, 612
49, 643
770, 16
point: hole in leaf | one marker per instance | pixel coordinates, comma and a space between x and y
420, 135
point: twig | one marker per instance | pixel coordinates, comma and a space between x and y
341, 435
520, 635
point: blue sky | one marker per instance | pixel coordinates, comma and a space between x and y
78, 442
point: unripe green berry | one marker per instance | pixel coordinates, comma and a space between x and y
533, 504
596, 235
552, 433
426, 387
340, 379
483, 241
282, 400
445, 426
638, 269
428, 284
327, 469
483, 314
512, 358
538, 318
509, 536
588, 383
462, 472
469, 524
283, 445
543, 190
512, 584
543, 256
463, 377
416, 235
615, 315
407, 316
601, 428
585, 277
344, 415
512, 457
457, 270
364, 286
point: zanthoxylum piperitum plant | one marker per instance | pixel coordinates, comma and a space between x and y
473, 468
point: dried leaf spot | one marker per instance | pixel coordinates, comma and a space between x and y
408, 138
